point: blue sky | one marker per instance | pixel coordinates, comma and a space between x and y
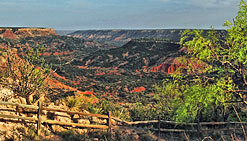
117, 14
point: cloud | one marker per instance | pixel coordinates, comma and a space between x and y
204, 3
164, 0
214, 3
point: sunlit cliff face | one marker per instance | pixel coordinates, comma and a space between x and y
17, 33
173, 65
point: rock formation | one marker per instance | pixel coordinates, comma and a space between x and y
171, 65
17, 33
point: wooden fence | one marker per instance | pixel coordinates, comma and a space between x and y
161, 125
184, 127
39, 119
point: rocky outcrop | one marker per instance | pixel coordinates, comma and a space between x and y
17, 33
171, 65
5, 94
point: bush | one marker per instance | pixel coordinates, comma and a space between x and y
141, 112
25, 76
193, 100
95, 106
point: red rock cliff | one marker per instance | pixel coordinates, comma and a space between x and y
17, 33
173, 64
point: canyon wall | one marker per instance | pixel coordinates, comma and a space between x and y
17, 33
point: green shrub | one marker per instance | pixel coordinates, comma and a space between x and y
95, 106
25, 76
193, 99
141, 112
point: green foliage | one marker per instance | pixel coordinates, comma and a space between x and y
104, 106
142, 112
117, 110
73, 102
226, 53
79, 102
204, 96
187, 100
33, 56
97, 107
25, 76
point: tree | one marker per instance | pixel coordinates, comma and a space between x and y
25, 76
201, 95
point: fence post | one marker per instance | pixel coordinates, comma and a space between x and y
198, 127
17, 111
159, 128
109, 123
228, 127
39, 118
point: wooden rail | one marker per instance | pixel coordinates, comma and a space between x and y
19, 105
222, 126
75, 124
74, 112
179, 123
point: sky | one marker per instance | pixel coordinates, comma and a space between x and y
117, 14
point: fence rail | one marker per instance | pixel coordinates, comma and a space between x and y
182, 123
39, 119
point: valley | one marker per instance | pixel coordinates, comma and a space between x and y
111, 73
106, 70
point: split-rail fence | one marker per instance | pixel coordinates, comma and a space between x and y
159, 124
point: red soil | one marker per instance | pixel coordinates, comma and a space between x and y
140, 89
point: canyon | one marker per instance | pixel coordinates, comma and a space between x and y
89, 65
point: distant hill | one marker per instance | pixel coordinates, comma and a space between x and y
64, 32
117, 38
127, 35
23, 32
136, 54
